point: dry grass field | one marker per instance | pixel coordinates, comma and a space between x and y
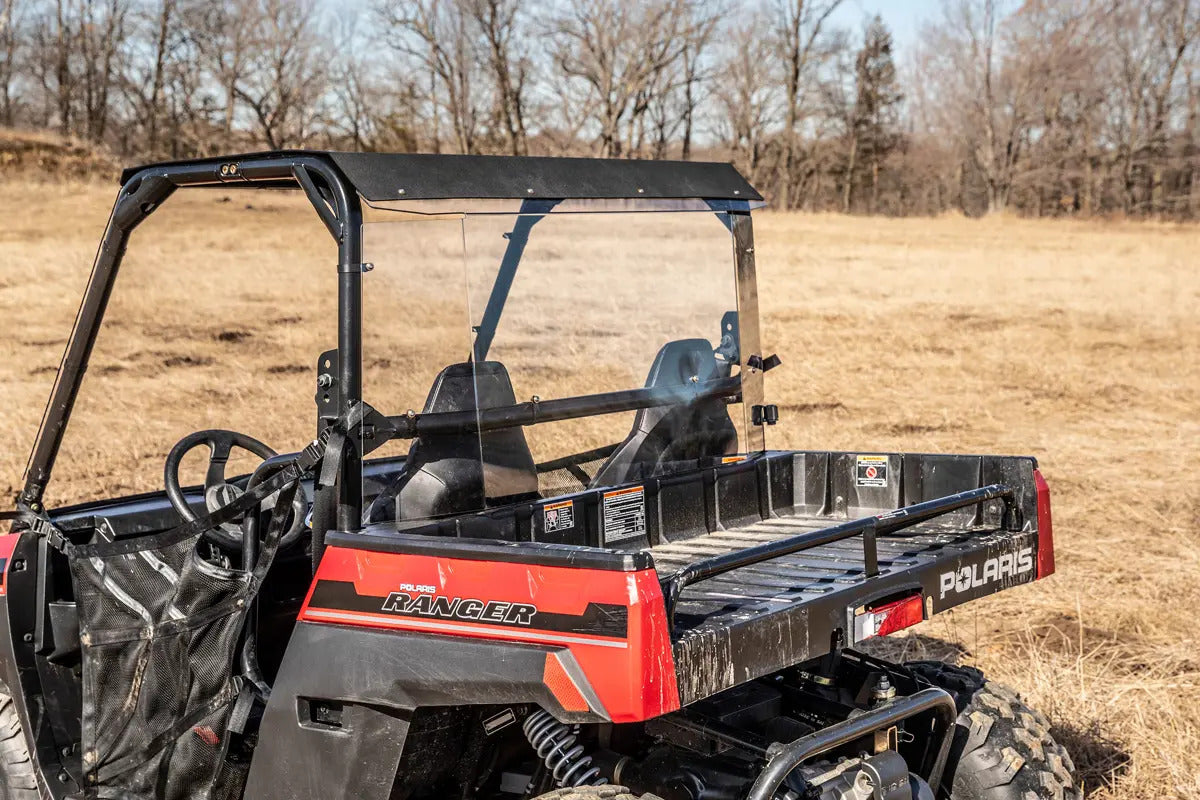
1076, 342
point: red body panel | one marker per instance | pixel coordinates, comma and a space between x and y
8, 543
631, 671
1045, 556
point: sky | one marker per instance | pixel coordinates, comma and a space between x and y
904, 17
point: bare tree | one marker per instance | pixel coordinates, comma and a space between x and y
989, 108
100, 33
284, 76
615, 51
146, 78
799, 25
500, 25
676, 93
1038, 106
356, 98
64, 84
10, 37
1149, 44
225, 35
373, 107
746, 95
440, 39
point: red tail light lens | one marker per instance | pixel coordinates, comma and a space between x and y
1045, 557
889, 617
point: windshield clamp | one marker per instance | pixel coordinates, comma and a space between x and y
764, 415
764, 364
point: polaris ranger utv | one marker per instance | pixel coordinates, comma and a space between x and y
577, 571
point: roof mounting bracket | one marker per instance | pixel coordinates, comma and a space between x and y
324, 210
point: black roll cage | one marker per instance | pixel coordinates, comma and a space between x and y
337, 203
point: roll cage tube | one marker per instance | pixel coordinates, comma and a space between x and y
338, 206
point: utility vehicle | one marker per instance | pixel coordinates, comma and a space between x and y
581, 574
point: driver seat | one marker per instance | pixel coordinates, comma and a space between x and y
457, 473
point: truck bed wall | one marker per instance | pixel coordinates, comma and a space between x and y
778, 483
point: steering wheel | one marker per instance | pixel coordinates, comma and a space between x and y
217, 492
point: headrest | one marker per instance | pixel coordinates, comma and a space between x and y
469, 386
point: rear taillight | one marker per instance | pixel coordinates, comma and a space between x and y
888, 617
1045, 556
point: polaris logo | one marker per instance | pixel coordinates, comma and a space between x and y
441, 607
1008, 565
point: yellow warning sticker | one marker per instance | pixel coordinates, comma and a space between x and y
871, 471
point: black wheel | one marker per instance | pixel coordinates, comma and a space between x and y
1002, 748
18, 781
595, 793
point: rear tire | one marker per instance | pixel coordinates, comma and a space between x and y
595, 793
1002, 748
18, 777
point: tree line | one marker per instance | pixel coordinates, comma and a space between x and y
1039, 107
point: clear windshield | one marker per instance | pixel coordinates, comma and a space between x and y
615, 332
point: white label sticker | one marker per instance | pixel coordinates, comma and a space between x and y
559, 516
624, 514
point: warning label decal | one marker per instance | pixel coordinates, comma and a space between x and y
871, 471
624, 514
559, 516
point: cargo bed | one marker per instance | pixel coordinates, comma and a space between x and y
764, 562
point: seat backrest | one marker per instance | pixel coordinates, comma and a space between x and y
462, 472
684, 432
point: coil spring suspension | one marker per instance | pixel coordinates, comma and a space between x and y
556, 745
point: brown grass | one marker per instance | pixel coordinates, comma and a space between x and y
37, 153
1076, 342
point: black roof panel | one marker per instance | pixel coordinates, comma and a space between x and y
420, 176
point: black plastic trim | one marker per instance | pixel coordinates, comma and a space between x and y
379, 678
530, 553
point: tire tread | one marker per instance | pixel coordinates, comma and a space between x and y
17, 771
1003, 749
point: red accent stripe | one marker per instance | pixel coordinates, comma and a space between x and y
453, 628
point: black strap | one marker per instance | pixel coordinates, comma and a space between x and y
134, 760
39, 524
239, 718
270, 543
325, 496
